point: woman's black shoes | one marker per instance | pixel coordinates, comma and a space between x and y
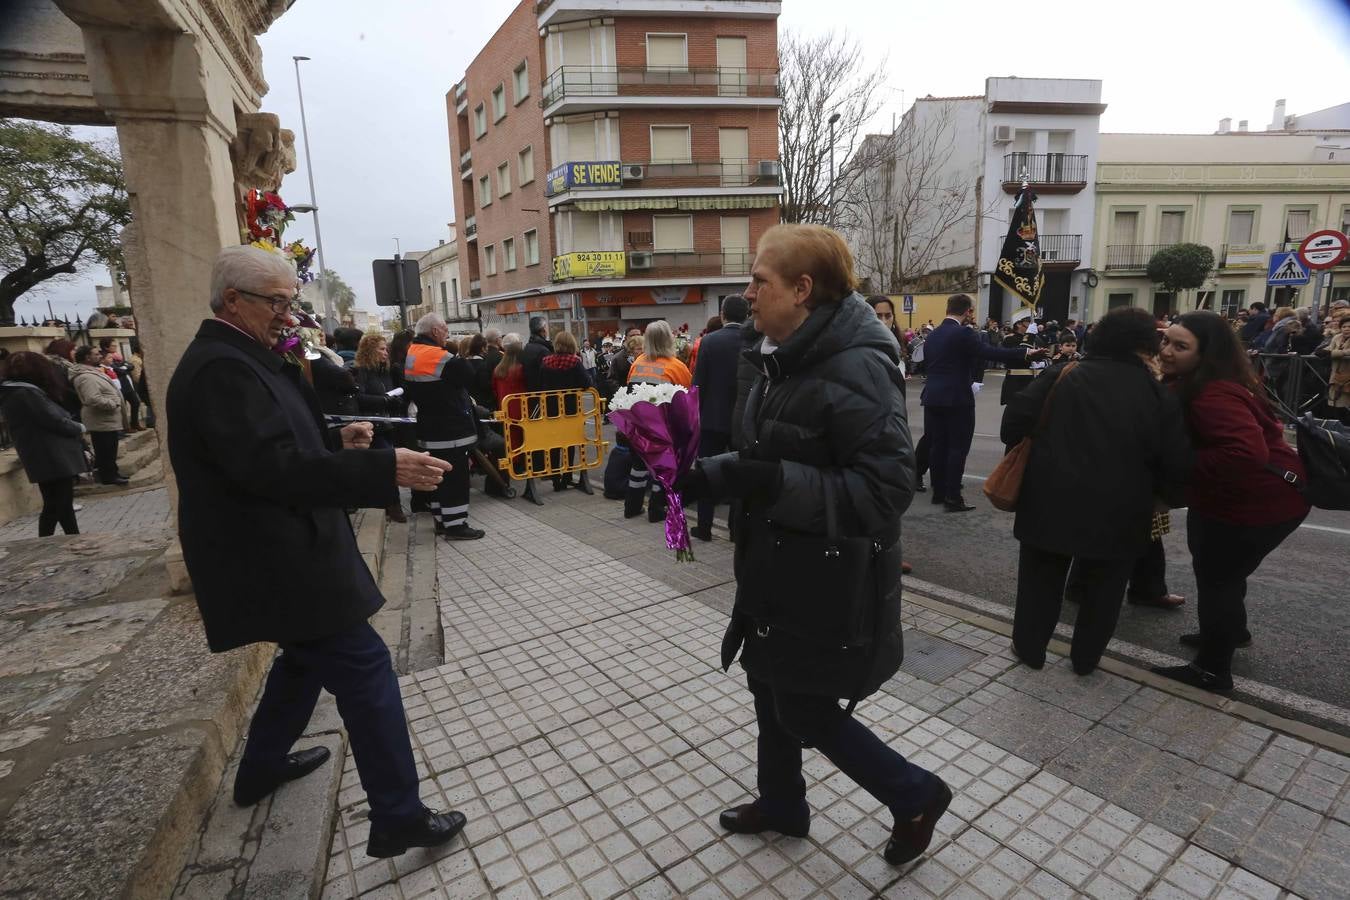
1193, 640
911, 837
1215, 682
751, 819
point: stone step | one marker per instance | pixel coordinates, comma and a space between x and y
138, 460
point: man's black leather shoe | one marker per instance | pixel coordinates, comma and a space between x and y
1214, 682
249, 789
958, 504
462, 533
431, 829
750, 819
910, 838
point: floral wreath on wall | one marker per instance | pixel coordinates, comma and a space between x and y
266, 216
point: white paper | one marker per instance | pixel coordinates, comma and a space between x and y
396, 392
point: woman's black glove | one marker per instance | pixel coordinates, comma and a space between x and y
728, 475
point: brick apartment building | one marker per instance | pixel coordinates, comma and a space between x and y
616, 165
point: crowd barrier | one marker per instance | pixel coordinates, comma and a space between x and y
552, 433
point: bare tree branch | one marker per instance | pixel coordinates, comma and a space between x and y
820, 75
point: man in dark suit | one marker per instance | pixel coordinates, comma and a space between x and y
952, 354
262, 488
715, 377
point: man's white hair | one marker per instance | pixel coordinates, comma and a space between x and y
427, 324
248, 268
491, 335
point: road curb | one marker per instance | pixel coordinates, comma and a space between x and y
1253, 701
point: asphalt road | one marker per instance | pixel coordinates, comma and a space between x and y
1298, 602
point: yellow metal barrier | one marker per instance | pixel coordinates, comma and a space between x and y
552, 433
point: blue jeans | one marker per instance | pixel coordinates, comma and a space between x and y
355, 668
788, 722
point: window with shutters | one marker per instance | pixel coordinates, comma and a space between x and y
1125, 227
485, 191
672, 233
1240, 225
503, 179
1170, 227
671, 144
490, 259
532, 248
667, 52
479, 121
499, 103
527, 165
1297, 224
509, 253
521, 81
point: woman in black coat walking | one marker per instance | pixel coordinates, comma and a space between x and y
1113, 438
825, 472
47, 439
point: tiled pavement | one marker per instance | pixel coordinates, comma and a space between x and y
581, 723
134, 512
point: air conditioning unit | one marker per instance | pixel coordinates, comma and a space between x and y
633, 172
640, 259
1004, 134
770, 170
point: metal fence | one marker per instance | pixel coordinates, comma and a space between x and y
1298, 383
5, 441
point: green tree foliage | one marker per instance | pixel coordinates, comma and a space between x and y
1181, 267
62, 204
344, 298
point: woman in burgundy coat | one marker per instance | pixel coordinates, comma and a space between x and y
1243, 500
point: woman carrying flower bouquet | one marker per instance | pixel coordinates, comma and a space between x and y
657, 365
824, 474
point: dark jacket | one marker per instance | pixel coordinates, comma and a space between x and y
531, 357
262, 488
715, 377
373, 387
950, 357
746, 373
46, 438
1115, 440
1255, 325
445, 415
335, 387
827, 405
563, 372
482, 391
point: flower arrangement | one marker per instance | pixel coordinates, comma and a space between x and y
266, 218
660, 422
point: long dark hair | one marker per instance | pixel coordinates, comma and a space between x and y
875, 300
35, 369
398, 349
1222, 357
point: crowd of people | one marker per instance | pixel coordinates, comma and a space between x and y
52, 403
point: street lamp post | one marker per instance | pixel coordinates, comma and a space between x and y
834, 118
313, 200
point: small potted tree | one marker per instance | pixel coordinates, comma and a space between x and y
1181, 267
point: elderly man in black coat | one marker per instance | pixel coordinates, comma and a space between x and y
262, 486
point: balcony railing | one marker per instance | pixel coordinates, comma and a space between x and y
475, 288
1045, 168
471, 227
1130, 256
657, 81
681, 264
466, 162
1061, 248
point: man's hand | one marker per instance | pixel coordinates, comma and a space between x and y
1037, 354
419, 471
357, 436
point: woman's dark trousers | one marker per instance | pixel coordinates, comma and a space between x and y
58, 507
105, 455
1041, 576
354, 667
1224, 555
787, 722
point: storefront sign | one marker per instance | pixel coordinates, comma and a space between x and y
639, 296
534, 304
590, 264
571, 175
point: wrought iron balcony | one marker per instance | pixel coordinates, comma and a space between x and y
1050, 172
567, 82
466, 162
471, 228
1061, 249
1130, 256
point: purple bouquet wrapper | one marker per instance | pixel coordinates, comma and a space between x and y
666, 438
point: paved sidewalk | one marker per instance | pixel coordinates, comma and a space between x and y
132, 513
582, 725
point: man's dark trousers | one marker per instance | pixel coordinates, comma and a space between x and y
449, 503
710, 443
949, 430
354, 667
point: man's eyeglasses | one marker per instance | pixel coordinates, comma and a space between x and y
278, 304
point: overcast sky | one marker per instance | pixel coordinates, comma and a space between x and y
375, 87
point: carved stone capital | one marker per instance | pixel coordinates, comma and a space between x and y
262, 153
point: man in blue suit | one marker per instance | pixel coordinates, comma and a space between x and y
715, 377
952, 356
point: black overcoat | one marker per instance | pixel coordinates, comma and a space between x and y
1115, 439
262, 489
826, 405
46, 438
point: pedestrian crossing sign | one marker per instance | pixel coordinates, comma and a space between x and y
1285, 268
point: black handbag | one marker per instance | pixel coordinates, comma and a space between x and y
826, 590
